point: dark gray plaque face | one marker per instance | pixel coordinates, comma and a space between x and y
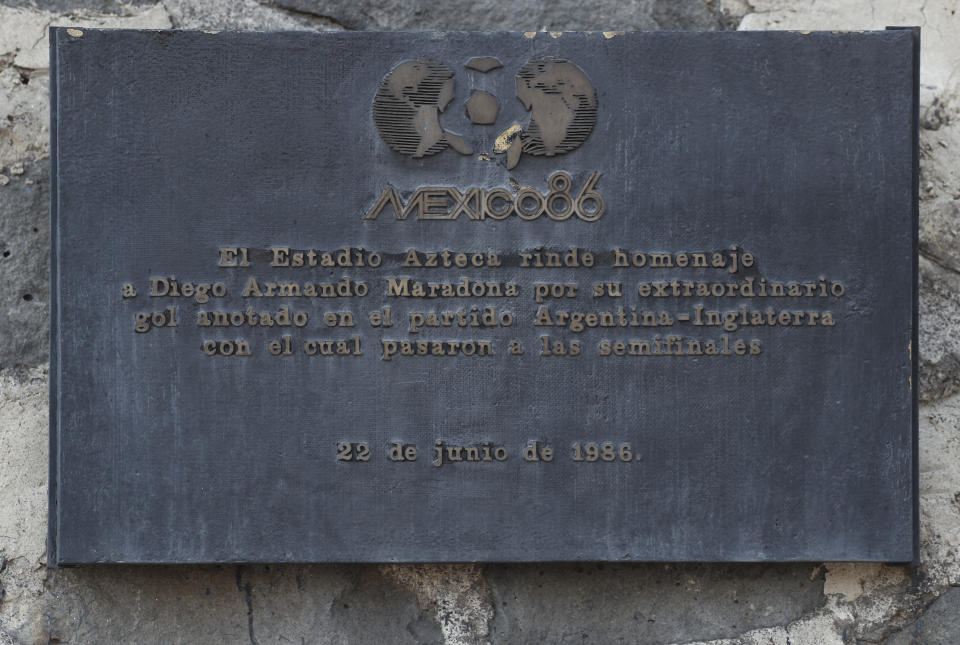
492, 297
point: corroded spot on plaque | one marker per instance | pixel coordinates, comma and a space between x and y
482, 107
563, 105
407, 109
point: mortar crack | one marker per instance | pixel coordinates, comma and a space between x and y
306, 13
940, 262
247, 589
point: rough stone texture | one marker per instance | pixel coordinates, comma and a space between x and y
24, 265
940, 251
121, 7
646, 603
257, 604
239, 14
828, 603
24, 116
937, 626
532, 15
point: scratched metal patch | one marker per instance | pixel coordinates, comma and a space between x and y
483, 296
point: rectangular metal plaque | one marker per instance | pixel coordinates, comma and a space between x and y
483, 296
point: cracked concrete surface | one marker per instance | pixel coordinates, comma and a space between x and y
817, 603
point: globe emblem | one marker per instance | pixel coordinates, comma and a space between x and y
561, 100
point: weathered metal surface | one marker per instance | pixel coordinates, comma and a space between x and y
791, 157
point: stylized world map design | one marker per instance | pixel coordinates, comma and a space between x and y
560, 98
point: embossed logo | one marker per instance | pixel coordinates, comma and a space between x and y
560, 98
407, 109
449, 202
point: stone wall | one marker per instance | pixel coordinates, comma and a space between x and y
828, 603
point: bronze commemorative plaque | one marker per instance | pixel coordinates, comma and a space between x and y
483, 296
